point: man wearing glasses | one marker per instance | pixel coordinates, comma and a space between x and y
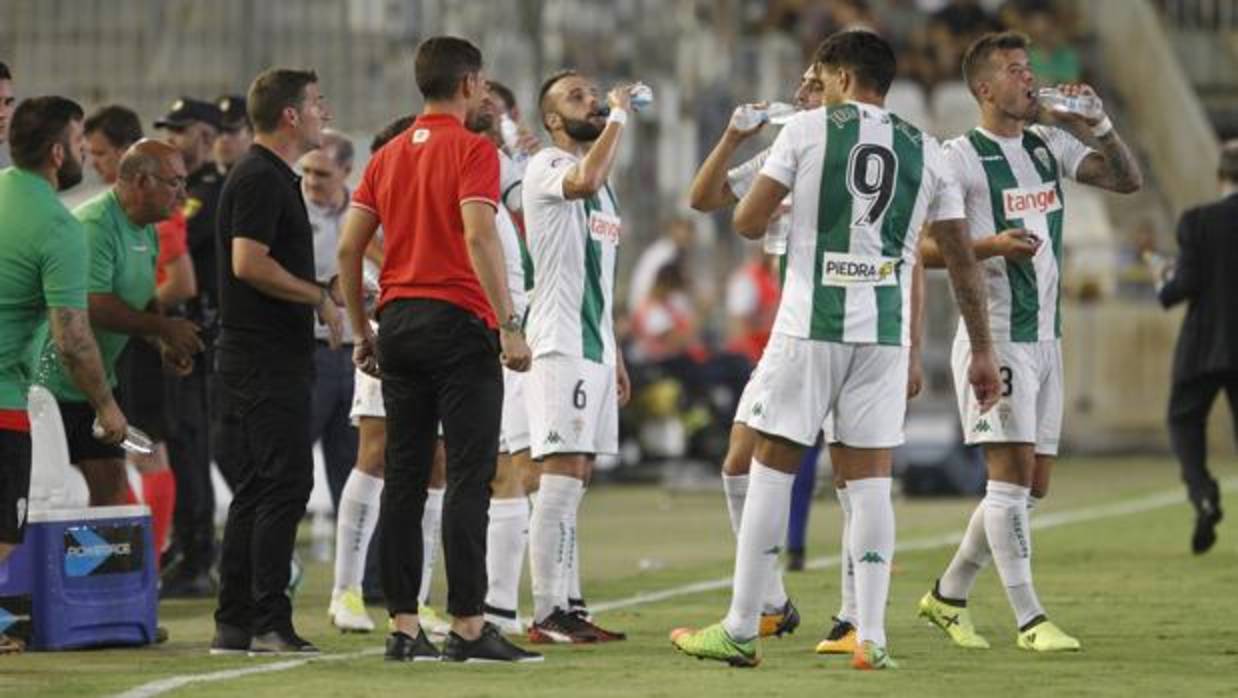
123, 245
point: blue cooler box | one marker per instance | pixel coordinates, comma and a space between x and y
85, 577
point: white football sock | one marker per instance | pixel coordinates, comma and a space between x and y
550, 542
1010, 538
970, 558
354, 527
431, 539
506, 539
762, 531
846, 566
736, 489
574, 595
872, 549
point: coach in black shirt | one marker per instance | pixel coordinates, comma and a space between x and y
264, 358
1206, 360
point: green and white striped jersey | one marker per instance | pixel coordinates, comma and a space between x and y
863, 182
1016, 183
573, 246
514, 254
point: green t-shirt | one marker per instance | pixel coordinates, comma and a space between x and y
43, 263
122, 262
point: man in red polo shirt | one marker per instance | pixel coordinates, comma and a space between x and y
435, 190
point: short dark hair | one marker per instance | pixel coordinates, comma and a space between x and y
1228, 169
442, 62
273, 91
976, 59
549, 84
390, 131
5, 74
868, 56
505, 93
119, 125
38, 124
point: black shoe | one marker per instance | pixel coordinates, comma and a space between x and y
1206, 519
490, 646
795, 560
402, 648
187, 585
602, 634
279, 643
840, 630
230, 639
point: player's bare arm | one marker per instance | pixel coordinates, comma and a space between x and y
588, 176
1112, 167
710, 189
75, 343
1013, 244
753, 214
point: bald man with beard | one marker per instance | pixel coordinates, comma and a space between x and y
120, 234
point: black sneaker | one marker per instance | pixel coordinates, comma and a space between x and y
230, 639
490, 646
278, 643
602, 634
1208, 515
795, 560
561, 627
402, 648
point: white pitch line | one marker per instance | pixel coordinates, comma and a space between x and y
1040, 521
156, 688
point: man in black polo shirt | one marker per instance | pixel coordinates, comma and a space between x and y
264, 360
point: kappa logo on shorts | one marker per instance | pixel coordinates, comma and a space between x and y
553, 439
982, 427
873, 557
758, 409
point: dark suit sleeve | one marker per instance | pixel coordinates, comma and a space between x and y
1187, 277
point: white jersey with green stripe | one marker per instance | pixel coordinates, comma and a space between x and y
863, 181
573, 246
1016, 183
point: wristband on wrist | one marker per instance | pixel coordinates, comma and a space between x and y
618, 116
1103, 128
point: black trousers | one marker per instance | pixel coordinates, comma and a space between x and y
439, 362
1190, 402
188, 422
265, 423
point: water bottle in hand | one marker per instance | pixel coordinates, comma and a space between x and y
641, 96
1053, 99
779, 113
511, 138
136, 440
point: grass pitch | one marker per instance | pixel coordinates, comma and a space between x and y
1152, 617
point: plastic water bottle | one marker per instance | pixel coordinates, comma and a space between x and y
1053, 99
779, 113
777, 234
641, 96
749, 116
511, 138
136, 440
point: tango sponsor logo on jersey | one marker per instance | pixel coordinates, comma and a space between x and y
858, 270
604, 227
1031, 201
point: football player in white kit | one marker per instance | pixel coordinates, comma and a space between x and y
578, 381
863, 183
1010, 169
357, 517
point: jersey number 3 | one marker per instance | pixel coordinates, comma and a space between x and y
871, 170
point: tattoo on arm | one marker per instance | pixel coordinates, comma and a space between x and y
955, 246
75, 342
1112, 167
